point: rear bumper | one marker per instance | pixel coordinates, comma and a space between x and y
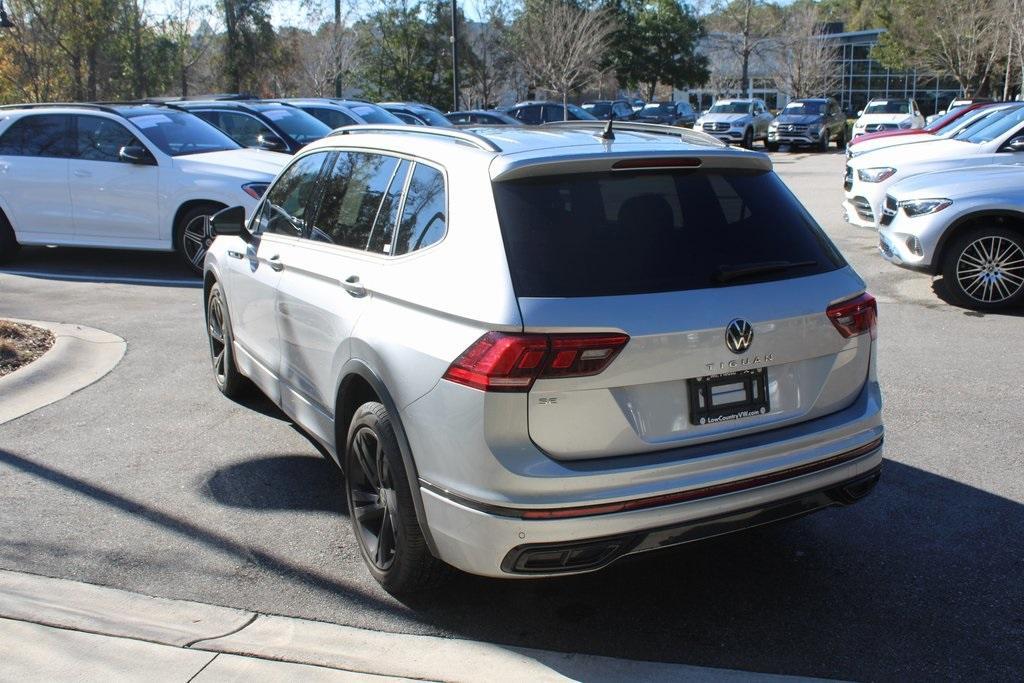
492, 543
597, 553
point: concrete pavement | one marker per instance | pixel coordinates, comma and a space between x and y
58, 630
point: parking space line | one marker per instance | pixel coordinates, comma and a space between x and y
112, 279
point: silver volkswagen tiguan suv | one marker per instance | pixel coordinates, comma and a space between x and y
536, 351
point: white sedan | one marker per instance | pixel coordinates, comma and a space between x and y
999, 139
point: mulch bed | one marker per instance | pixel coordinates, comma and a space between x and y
21, 344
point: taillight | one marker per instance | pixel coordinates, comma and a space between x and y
513, 362
855, 316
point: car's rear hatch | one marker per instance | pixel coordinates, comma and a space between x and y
671, 257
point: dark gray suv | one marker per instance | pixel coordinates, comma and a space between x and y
810, 122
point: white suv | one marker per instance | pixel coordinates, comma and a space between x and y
123, 177
534, 351
881, 115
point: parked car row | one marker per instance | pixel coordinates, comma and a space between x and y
949, 201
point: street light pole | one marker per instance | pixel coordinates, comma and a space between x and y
455, 57
337, 55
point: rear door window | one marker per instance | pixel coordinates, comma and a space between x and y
529, 114
43, 135
332, 117
383, 230
630, 233
242, 127
354, 190
424, 218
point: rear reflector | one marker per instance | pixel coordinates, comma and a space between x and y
627, 164
512, 362
855, 316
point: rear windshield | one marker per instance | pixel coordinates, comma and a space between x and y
631, 233
374, 114
300, 126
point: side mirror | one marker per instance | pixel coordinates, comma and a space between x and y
136, 154
1016, 144
860, 113
271, 142
231, 223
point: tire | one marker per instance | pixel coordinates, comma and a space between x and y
8, 241
771, 146
230, 381
841, 138
381, 507
748, 139
983, 269
823, 141
193, 235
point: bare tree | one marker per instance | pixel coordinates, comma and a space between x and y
186, 27
805, 61
492, 69
560, 45
747, 28
327, 56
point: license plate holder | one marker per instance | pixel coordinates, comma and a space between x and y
733, 396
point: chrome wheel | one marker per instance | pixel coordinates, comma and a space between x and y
991, 269
196, 238
374, 503
218, 338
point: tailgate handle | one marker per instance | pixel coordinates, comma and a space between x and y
352, 286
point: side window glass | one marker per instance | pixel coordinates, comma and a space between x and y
284, 211
353, 193
529, 114
332, 117
552, 113
101, 139
37, 136
384, 227
423, 217
243, 128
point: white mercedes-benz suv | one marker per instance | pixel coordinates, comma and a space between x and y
995, 139
121, 177
535, 351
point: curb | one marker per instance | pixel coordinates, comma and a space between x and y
79, 356
193, 626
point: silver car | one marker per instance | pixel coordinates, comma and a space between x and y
738, 122
967, 227
535, 351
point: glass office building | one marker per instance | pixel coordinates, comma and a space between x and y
861, 78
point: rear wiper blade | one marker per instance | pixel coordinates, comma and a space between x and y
742, 270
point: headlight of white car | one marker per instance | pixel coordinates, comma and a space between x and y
920, 207
875, 175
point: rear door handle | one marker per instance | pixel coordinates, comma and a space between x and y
353, 286
235, 254
79, 173
275, 262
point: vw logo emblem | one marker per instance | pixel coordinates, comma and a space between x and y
739, 335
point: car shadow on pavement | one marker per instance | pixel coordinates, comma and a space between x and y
920, 579
942, 292
285, 482
103, 265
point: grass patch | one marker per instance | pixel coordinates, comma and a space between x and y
21, 344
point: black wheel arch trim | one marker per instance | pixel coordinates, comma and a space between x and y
358, 367
949, 233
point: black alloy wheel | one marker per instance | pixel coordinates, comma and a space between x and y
194, 235
230, 381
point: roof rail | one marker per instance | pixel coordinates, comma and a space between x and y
478, 141
79, 105
685, 134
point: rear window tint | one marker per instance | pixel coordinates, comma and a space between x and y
615, 234
423, 217
44, 135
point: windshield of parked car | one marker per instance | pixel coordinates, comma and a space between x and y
297, 124
432, 117
888, 107
730, 108
603, 234
177, 133
946, 126
598, 109
804, 108
992, 127
373, 114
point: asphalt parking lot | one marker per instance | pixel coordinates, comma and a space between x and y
151, 481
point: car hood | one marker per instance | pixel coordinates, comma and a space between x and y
882, 118
862, 146
728, 118
246, 164
969, 181
901, 155
801, 119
